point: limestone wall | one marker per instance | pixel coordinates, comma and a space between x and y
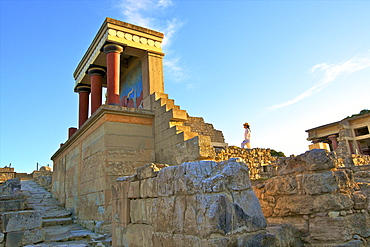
324, 202
260, 162
202, 203
198, 125
6, 173
105, 148
360, 160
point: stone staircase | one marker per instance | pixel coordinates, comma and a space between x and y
57, 223
175, 133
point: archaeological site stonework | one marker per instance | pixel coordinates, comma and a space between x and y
204, 203
318, 195
144, 171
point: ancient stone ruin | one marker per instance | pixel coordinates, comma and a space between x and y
141, 171
318, 195
204, 203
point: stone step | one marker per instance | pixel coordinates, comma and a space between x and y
56, 222
55, 215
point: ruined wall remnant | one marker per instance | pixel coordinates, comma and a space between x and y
18, 226
43, 177
198, 125
324, 202
6, 173
204, 203
259, 160
360, 160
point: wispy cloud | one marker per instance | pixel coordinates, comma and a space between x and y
151, 14
330, 73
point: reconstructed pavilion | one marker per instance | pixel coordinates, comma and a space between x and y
350, 133
134, 124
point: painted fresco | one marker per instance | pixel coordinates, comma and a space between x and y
132, 88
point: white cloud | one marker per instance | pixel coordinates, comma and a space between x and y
330, 73
147, 13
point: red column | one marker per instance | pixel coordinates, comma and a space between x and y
96, 80
83, 107
71, 131
334, 142
113, 52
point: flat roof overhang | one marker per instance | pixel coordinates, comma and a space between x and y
136, 40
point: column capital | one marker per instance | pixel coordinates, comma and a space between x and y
83, 88
96, 71
332, 136
108, 48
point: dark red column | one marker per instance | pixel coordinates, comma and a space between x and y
96, 80
71, 131
83, 106
334, 142
113, 52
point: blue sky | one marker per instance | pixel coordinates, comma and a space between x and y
282, 66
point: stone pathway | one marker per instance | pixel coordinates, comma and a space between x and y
57, 224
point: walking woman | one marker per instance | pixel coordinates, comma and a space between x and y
247, 136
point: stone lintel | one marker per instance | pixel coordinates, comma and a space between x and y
121, 33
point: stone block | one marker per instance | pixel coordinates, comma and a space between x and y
149, 170
165, 181
148, 188
319, 183
190, 226
123, 168
162, 214
20, 221
12, 205
314, 160
359, 223
129, 155
121, 205
141, 211
303, 204
185, 240
179, 214
22, 238
10, 187
247, 211
297, 221
163, 239
281, 185
138, 233
361, 200
329, 229
134, 189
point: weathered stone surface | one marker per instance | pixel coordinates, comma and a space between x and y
345, 179
259, 161
323, 202
318, 183
361, 201
286, 185
22, 238
200, 203
12, 205
314, 160
44, 181
141, 211
329, 229
148, 188
20, 221
137, 235
149, 170
10, 187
